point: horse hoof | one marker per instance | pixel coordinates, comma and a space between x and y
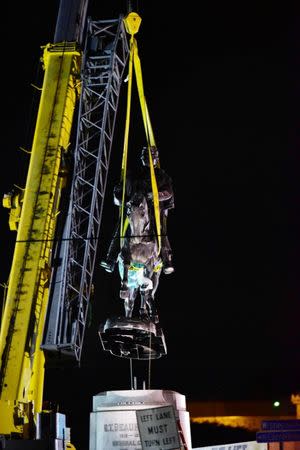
144, 317
168, 270
154, 318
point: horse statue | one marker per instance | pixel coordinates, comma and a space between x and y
139, 262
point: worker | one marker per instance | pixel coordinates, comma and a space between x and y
141, 182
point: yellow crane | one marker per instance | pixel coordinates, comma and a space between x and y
33, 214
57, 215
57, 218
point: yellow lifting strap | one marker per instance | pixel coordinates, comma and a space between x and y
132, 23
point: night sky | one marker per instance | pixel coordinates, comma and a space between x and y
219, 100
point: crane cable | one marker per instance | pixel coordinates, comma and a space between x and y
132, 22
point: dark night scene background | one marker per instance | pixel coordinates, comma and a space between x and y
216, 86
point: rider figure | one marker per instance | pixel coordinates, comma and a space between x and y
141, 182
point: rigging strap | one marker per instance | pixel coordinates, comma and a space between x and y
132, 22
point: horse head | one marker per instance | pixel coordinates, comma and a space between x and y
137, 212
142, 242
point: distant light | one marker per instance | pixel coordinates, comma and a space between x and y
276, 404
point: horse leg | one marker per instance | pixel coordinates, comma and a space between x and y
152, 308
143, 306
150, 298
124, 291
146, 286
128, 305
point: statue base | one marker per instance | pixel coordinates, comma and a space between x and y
113, 422
132, 338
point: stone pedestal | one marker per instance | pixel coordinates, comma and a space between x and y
113, 423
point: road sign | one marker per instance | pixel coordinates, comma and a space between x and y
251, 445
280, 425
158, 428
278, 436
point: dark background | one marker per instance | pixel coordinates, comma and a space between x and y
223, 93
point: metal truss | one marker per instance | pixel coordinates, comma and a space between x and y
105, 57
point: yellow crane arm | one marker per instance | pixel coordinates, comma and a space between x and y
21, 360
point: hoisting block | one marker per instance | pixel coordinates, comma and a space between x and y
132, 338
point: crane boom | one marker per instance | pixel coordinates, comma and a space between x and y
57, 217
21, 359
105, 56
